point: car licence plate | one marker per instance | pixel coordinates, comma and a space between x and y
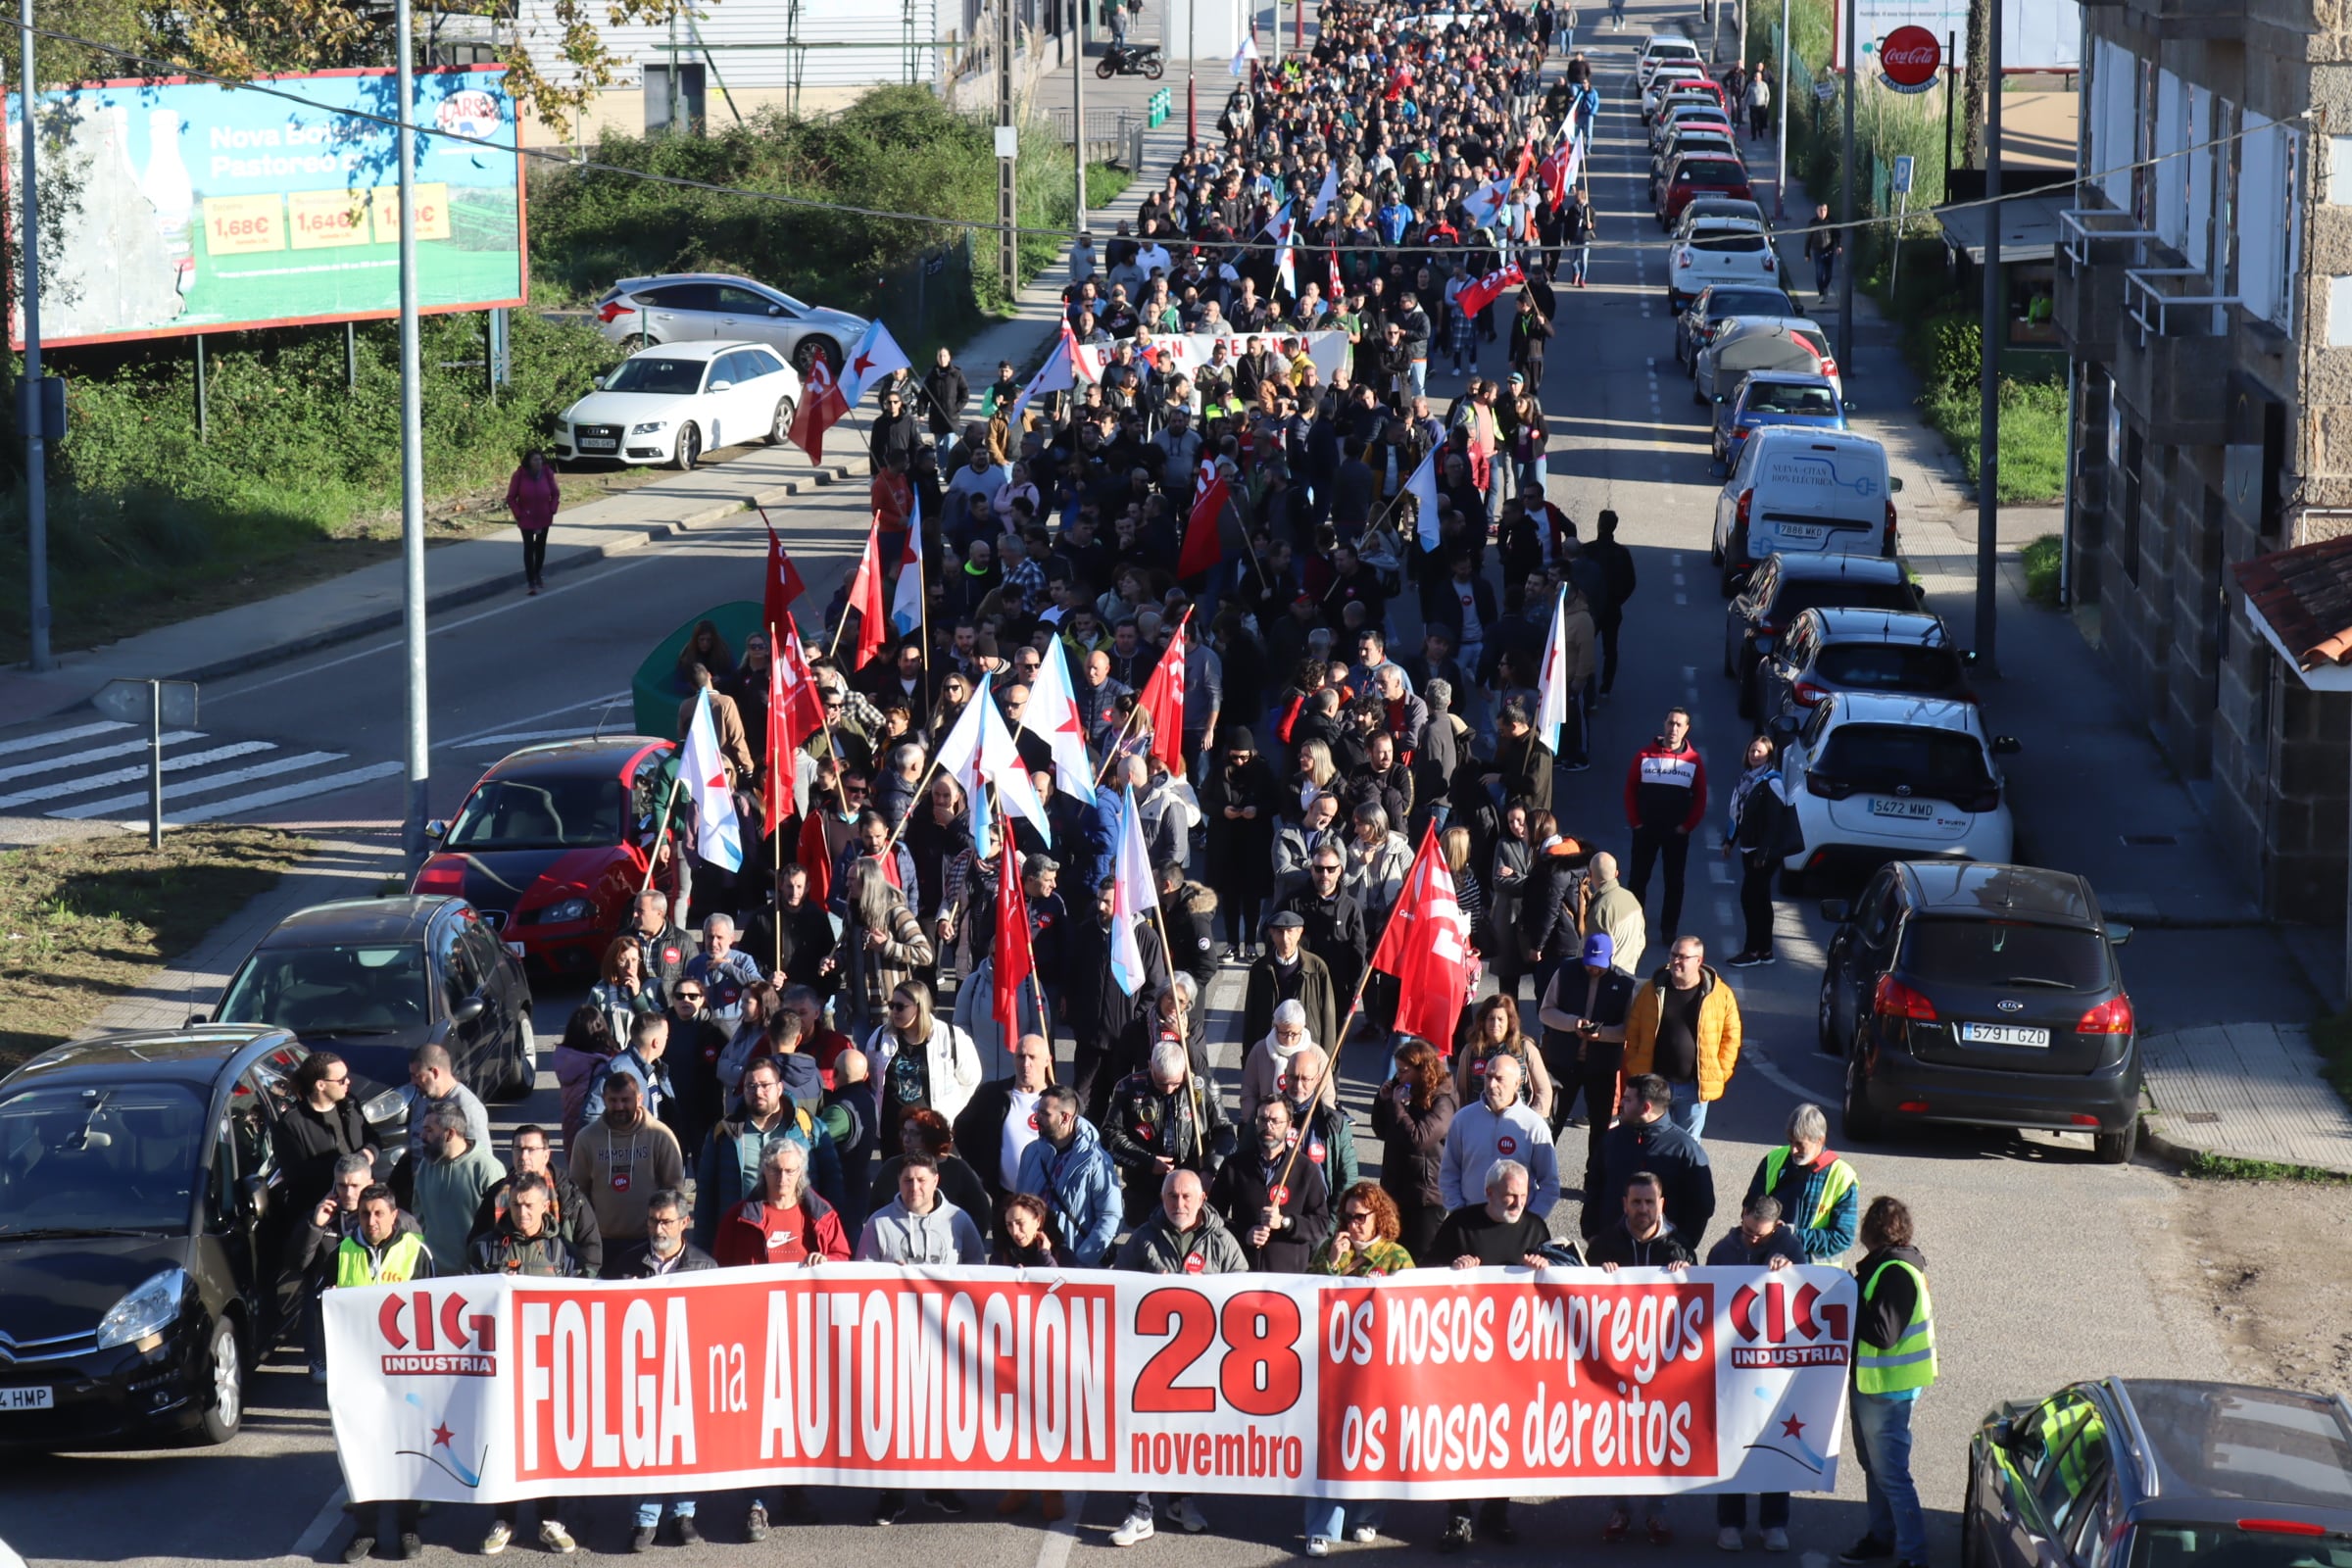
2003, 1034
33, 1398
1908, 810
598, 443
1810, 533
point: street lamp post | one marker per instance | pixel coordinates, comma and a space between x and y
1078, 103
419, 756
1845, 203
28, 389
1988, 376
1192, 74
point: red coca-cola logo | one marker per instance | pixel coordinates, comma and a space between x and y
1910, 57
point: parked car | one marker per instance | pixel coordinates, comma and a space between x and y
1663, 49
142, 1230
2161, 1473
1699, 175
1690, 141
673, 403
372, 979
687, 307
1701, 112
1774, 398
1984, 995
1830, 651
1721, 206
1671, 86
1785, 586
1720, 250
1719, 305
1762, 343
547, 847
1795, 493
1873, 778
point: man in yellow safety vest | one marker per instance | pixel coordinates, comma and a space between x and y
387, 1247
1895, 1358
1819, 1195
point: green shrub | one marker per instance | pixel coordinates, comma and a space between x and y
2042, 558
2032, 415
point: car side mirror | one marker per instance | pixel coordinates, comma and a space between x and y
1837, 911
1895, 488
252, 1196
1968, 659
723, 386
195, 1018
467, 1011
437, 828
1849, 407
2007, 746
2001, 1432
1739, 583
597, 381
775, 309
2118, 933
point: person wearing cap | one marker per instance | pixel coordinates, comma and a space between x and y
1287, 972
1583, 1013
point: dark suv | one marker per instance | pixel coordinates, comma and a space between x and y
1782, 587
2161, 1474
1982, 995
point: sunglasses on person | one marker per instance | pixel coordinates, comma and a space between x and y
1356, 1216
690, 996
897, 1003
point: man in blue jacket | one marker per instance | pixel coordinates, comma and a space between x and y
1070, 1169
729, 1169
1645, 1139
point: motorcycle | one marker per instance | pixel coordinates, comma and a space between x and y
1130, 60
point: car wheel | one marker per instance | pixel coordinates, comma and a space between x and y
224, 1393
1825, 1012
809, 350
780, 428
689, 450
1971, 1545
1861, 1123
1714, 553
634, 342
2116, 1149
522, 1073
1730, 671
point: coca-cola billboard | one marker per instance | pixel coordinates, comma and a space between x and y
1909, 59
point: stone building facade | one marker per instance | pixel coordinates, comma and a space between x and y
2204, 292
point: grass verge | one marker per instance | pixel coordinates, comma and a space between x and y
84, 923
2227, 1168
2041, 561
2033, 417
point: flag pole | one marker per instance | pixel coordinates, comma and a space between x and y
832, 747
677, 781
1037, 987
775, 829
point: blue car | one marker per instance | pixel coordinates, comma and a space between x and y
1775, 397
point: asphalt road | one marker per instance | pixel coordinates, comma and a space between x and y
2039, 1255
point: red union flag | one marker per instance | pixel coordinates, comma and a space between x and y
821, 407
1488, 289
1427, 947
1012, 961
1162, 702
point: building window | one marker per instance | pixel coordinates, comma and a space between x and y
661, 105
2033, 296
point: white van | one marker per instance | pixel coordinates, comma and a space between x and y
1799, 491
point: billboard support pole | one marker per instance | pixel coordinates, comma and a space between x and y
351, 358
36, 445
203, 429
419, 756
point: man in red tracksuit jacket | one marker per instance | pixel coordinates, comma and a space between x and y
1665, 800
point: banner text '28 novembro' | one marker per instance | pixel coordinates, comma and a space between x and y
1430, 1384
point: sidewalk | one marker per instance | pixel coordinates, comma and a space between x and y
368, 601
2221, 999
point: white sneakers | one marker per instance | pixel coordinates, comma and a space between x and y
1729, 1539
1776, 1540
555, 1538
1364, 1535
1318, 1546
1183, 1511
496, 1540
1139, 1527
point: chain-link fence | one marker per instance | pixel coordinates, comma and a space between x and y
928, 300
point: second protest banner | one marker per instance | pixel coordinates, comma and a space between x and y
1429, 1383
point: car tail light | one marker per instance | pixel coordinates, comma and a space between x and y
1745, 496
1912, 1108
2110, 1017
440, 876
1682, 259
1808, 695
2083, 1118
613, 310
1828, 366
1982, 800
1769, 261
1828, 789
1891, 524
1895, 999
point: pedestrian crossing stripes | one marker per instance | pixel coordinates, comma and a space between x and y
58, 773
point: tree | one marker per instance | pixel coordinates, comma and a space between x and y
1973, 84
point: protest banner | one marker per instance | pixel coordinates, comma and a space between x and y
1184, 354
1429, 1383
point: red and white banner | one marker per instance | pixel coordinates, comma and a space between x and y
1428, 1384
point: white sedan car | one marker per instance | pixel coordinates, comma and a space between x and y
1719, 250
676, 402
1877, 778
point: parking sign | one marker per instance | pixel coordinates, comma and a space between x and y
1902, 175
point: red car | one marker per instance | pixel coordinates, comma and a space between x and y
549, 848
1700, 174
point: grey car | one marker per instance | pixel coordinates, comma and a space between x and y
687, 307
1720, 304
1830, 651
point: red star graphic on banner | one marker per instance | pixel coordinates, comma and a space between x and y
863, 364
443, 1436
1792, 1426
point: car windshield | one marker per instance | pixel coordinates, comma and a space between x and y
666, 377
99, 1157
1780, 398
1711, 173
2226, 1546
2011, 953
539, 813
1887, 667
1738, 240
345, 990
1939, 763
1725, 304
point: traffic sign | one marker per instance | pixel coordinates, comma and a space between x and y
1902, 175
1826, 88
132, 702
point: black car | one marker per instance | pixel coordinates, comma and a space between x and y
372, 979
1719, 303
1783, 587
142, 1223
1983, 995
2161, 1474
1830, 651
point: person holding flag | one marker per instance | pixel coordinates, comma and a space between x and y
865, 600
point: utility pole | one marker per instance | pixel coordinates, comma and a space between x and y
411, 459
30, 403
1779, 92
1988, 376
1078, 102
1192, 74
1008, 141
1845, 203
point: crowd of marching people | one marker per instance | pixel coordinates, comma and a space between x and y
1160, 605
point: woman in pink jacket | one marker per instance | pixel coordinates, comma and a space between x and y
531, 497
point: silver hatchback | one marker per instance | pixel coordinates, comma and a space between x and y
689, 307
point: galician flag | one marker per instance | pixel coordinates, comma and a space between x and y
1422, 486
907, 598
1551, 692
876, 356
1324, 197
1131, 884
1052, 718
980, 750
717, 835
1285, 265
